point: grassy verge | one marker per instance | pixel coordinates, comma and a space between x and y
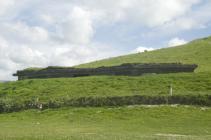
122, 123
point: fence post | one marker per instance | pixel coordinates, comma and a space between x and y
170, 90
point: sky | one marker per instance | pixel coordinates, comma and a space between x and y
41, 33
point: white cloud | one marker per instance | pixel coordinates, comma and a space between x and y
27, 56
196, 19
47, 18
142, 49
178, 25
67, 55
34, 47
163, 11
22, 33
4, 5
176, 42
77, 29
150, 13
60, 32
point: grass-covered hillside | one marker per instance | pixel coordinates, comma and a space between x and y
197, 52
59, 90
113, 119
101, 86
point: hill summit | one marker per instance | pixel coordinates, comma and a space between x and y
195, 52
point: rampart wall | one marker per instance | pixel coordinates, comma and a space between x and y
132, 69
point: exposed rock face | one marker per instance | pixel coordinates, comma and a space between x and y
132, 69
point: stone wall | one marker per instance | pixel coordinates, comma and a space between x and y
132, 69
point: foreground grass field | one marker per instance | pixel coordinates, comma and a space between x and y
123, 123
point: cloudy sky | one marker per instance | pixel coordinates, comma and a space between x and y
39, 33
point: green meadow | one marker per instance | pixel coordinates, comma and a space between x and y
120, 123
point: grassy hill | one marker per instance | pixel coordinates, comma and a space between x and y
21, 93
195, 52
115, 123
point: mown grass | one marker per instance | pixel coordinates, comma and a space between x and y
122, 123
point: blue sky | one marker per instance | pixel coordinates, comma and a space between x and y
70, 32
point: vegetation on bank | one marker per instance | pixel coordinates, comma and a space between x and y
12, 106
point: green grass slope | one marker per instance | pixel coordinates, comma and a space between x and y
61, 90
123, 123
197, 52
101, 86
